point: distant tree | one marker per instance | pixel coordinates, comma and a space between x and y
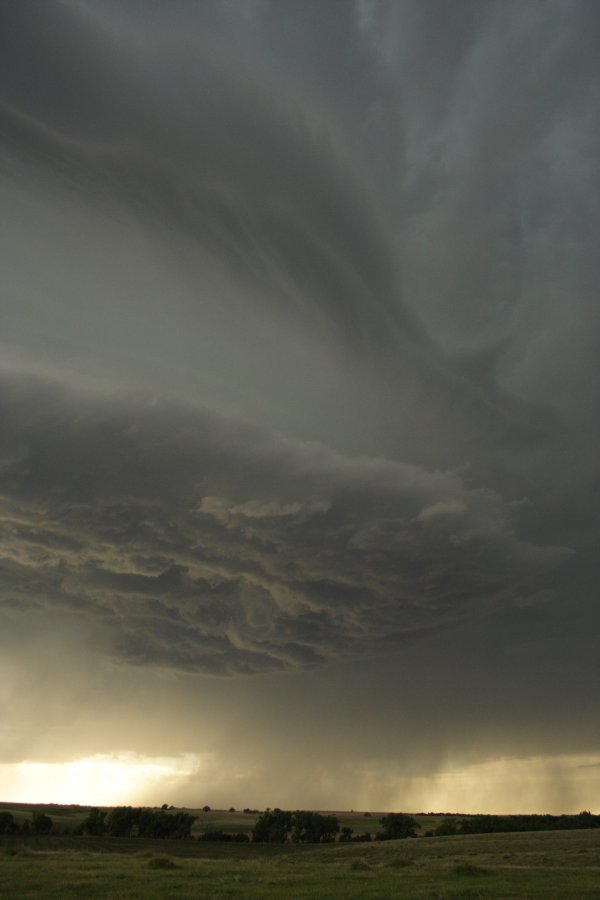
181, 825
206, 809
126, 821
484, 824
95, 823
346, 833
165, 806
232, 809
313, 828
397, 825
489, 824
162, 824
272, 827
586, 819
152, 824
121, 821
7, 823
329, 827
41, 823
446, 827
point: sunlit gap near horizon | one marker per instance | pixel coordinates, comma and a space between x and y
100, 780
564, 784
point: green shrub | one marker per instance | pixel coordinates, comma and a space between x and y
161, 861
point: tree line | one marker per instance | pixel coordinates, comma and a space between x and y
273, 826
39, 823
489, 824
129, 821
122, 821
279, 826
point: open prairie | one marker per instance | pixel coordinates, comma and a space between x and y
526, 865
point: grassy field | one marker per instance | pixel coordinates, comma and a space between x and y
528, 865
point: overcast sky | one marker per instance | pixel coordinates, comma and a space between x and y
299, 403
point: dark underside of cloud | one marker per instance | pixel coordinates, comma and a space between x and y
200, 543
350, 253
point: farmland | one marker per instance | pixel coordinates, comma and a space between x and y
531, 865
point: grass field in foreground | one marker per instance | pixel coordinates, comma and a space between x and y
529, 865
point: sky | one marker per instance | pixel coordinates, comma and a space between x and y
299, 404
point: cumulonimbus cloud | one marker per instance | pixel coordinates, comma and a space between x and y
206, 544
317, 232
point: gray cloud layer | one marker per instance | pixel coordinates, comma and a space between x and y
355, 247
204, 544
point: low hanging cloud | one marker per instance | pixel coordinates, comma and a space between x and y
201, 543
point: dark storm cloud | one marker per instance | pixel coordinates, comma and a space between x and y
366, 176
205, 147
202, 543
502, 180
213, 148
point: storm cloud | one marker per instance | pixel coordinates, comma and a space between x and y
217, 547
299, 341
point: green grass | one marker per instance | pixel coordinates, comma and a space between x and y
528, 865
